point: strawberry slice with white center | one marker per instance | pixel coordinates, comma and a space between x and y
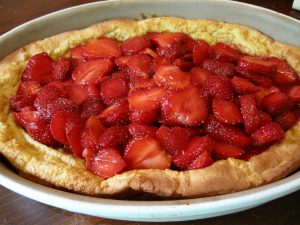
218, 87
166, 39
92, 72
115, 114
38, 68
256, 65
224, 151
201, 52
91, 133
174, 140
101, 48
134, 45
29, 87
107, 163
243, 86
225, 53
139, 66
146, 153
58, 125
171, 77
226, 133
35, 126
275, 103
144, 104
194, 148
220, 68
226, 112
184, 107
251, 114
203, 160
264, 92
268, 133
199, 76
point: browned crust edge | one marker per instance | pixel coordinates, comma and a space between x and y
66, 171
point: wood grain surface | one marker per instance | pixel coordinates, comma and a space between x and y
18, 210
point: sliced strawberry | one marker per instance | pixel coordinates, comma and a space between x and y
251, 114
38, 68
225, 53
172, 77
219, 68
114, 136
201, 52
58, 125
294, 94
224, 151
264, 92
174, 140
35, 126
122, 61
91, 133
259, 79
183, 64
92, 72
243, 86
144, 99
91, 107
59, 104
46, 95
268, 133
253, 151
141, 82
167, 39
226, 112
74, 128
199, 76
285, 74
194, 148
256, 65
149, 116
139, 66
107, 163
101, 48
140, 130
61, 69
275, 103
88, 155
146, 153
203, 160
264, 118
184, 107
29, 87
287, 119
134, 45
22, 102
218, 87
114, 89
150, 52
226, 133
80, 93
115, 114
76, 54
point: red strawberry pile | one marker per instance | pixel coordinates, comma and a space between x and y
161, 101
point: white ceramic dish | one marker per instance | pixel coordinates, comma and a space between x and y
279, 27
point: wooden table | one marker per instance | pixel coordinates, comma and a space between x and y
18, 210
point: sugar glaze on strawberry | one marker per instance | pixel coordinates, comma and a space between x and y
159, 101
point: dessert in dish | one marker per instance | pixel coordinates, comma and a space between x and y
168, 106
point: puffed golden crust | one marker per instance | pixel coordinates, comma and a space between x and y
68, 172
